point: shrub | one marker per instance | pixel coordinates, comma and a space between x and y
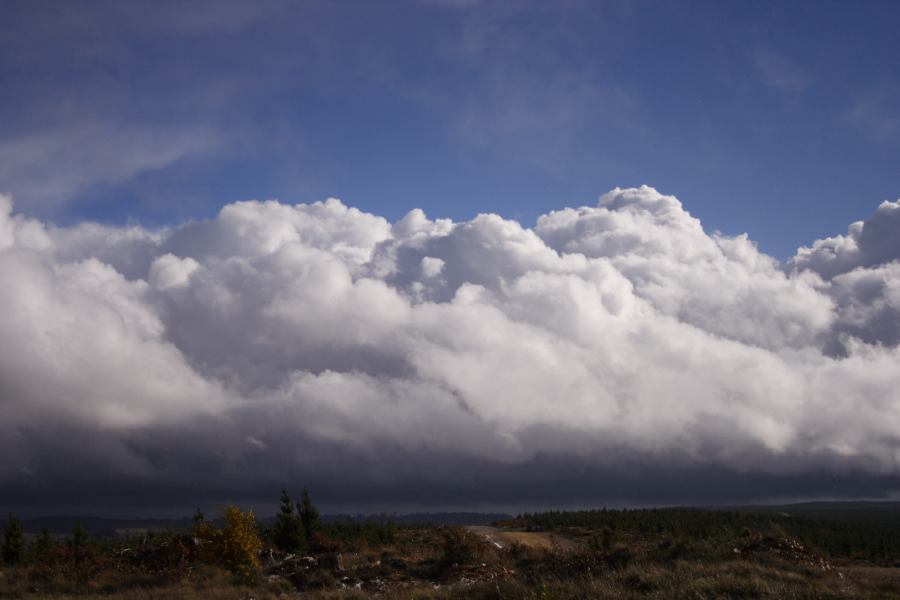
460, 547
236, 546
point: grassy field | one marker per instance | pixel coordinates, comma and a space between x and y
674, 553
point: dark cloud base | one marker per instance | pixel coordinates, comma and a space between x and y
541, 483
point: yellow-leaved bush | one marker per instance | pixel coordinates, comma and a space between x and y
236, 546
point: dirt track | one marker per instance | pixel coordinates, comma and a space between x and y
502, 538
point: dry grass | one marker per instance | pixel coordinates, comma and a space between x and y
449, 564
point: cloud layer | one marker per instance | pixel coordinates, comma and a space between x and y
317, 342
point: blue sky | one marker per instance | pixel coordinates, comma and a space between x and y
781, 119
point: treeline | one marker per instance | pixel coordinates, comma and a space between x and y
235, 540
15, 548
874, 540
298, 527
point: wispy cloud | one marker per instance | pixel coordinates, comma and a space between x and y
92, 108
527, 94
778, 71
50, 167
877, 113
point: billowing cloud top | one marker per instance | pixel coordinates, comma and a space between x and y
321, 343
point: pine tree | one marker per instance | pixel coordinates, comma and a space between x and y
309, 515
13, 541
79, 537
288, 532
43, 544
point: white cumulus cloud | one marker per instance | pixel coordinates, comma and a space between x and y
275, 337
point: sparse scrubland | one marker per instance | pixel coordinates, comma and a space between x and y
660, 553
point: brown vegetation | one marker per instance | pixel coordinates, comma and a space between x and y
353, 560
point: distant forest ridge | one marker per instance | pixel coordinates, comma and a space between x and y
110, 527
869, 511
859, 531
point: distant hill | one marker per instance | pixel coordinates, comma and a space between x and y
885, 512
104, 527
454, 518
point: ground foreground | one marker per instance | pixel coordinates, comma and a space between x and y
598, 554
